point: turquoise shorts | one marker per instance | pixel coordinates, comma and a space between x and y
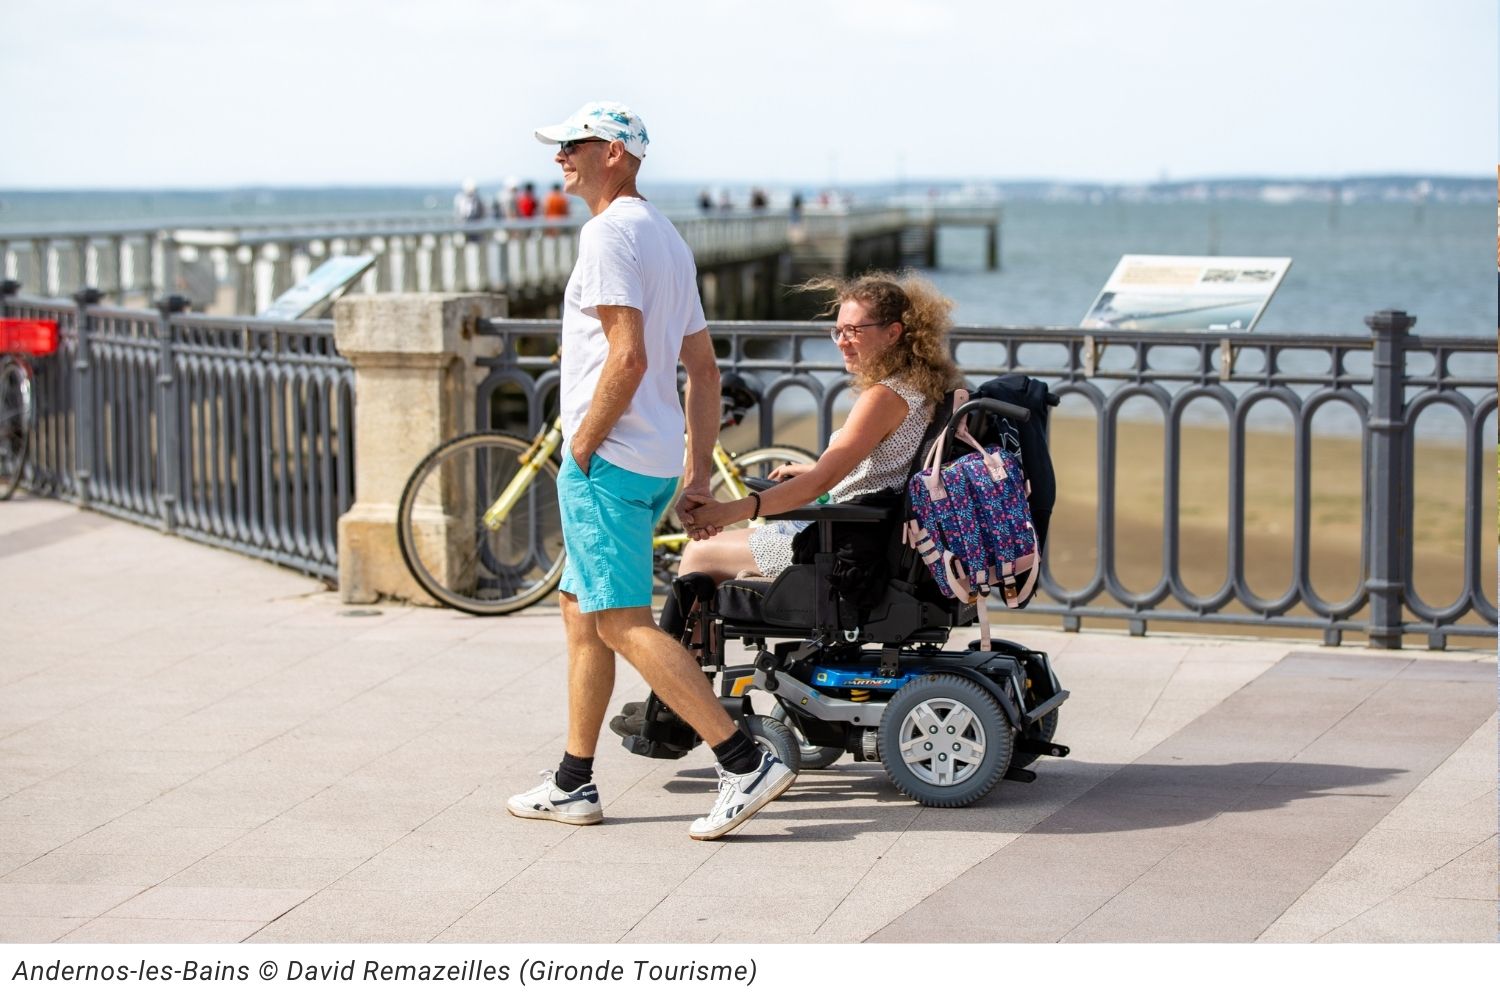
608, 519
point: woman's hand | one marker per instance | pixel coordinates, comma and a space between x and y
707, 517
788, 471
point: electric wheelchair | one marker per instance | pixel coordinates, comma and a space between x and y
868, 676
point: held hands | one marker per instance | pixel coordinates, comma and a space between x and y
690, 509
702, 515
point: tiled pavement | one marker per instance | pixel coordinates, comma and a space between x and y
199, 747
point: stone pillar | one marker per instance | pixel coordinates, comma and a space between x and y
414, 380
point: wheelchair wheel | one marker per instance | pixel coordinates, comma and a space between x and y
773, 736
944, 741
814, 758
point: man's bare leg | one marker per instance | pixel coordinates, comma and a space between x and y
670, 669
591, 677
569, 795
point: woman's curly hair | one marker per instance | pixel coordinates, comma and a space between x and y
920, 356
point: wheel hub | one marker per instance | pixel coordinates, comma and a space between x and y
942, 742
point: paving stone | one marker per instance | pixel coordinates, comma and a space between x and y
25, 899
101, 869
37, 930
113, 930
338, 915
1413, 917
308, 875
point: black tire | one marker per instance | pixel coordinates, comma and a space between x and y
1042, 729
17, 416
773, 736
492, 572
930, 772
814, 758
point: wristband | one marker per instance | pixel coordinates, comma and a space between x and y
756, 498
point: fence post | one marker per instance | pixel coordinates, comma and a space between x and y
85, 443
414, 382
168, 417
1386, 477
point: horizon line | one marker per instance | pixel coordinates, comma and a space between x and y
811, 184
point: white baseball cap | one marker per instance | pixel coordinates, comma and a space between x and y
608, 120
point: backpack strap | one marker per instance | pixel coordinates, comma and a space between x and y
1013, 597
982, 605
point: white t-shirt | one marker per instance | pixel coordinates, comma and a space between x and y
630, 255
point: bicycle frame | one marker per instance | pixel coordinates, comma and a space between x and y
546, 444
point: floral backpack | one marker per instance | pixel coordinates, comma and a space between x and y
971, 524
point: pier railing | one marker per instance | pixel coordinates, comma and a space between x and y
1250, 408
235, 432
239, 266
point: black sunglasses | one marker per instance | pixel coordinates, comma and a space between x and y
572, 144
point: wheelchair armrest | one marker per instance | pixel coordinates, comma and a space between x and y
853, 512
819, 511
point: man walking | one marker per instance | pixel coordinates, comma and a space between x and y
631, 312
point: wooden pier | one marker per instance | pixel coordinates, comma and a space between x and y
746, 261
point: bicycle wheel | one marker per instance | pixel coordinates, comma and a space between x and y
16, 416
450, 551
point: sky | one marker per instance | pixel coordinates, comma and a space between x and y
205, 94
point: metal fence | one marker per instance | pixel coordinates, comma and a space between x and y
1379, 391
235, 432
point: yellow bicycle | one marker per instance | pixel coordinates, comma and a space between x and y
479, 524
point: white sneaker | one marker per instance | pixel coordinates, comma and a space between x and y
742, 795
547, 801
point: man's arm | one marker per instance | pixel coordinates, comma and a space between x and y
624, 367
704, 399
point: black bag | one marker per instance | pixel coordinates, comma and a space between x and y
861, 562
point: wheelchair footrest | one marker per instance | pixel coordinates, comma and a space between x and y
1042, 748
643, 747
1020, 774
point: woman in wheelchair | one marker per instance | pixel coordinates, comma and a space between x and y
893, 333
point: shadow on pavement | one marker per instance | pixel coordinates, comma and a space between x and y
844, 802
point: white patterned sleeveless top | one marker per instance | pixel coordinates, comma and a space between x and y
886, 466
883, 468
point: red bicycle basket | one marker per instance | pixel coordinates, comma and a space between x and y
36, 337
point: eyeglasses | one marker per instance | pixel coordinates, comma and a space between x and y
838, 333
567, 148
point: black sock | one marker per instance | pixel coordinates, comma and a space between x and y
574, 772
738, 754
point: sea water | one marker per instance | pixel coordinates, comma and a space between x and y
1348, 260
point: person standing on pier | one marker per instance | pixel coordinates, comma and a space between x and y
631, 312
467, 205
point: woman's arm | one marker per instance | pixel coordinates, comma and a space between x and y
876, 413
